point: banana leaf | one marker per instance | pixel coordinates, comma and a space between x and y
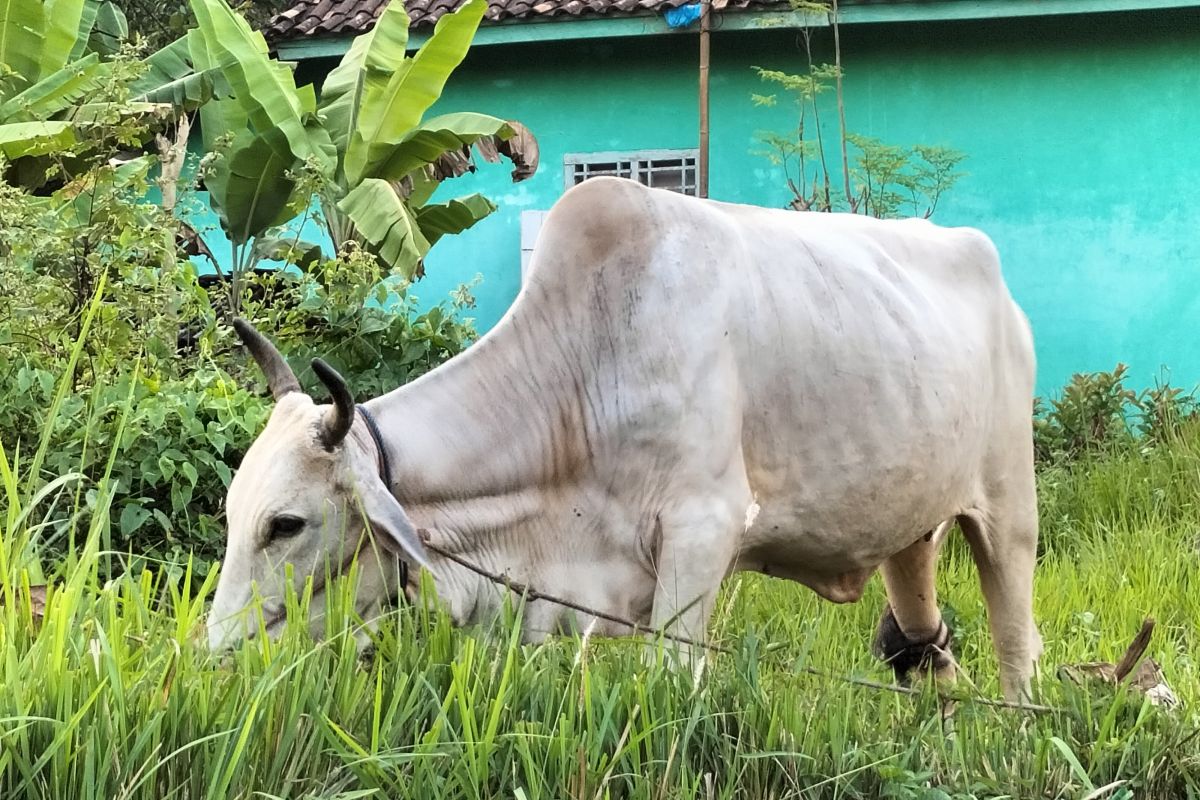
371, 59
250, 187
109, 30
387, 225
389, 43
452, 217
87, 20
171, 77
287, 248
432, 139
22, 33
63, 19
55, 92
219, 119
387, 114
342, 90
100, 113
265, 88
21, 139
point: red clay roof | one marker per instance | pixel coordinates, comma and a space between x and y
333, 17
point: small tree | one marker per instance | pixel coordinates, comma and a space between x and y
882, 180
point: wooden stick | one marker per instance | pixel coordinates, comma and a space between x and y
1135, 651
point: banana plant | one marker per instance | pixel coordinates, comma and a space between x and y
364, 149
56, 56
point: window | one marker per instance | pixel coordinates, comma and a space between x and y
665, 169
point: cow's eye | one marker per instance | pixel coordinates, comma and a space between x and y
285, 526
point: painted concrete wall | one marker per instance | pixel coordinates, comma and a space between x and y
1080, 131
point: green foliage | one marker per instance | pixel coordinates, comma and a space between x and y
72, 92
363, 149
1163, 411
118, 438
843, 170
159, 381
177, 437
895, 180
125, 404
95, 231
156, 24
1096, 413
1088, 417
58, 247
360, 319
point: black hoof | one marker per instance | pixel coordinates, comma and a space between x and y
903, 654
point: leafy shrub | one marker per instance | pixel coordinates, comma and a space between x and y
1163, 411
1097, 413
194, 408
1088, 417
173, 464
58, 249
360, 318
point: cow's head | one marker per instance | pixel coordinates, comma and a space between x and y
308, 494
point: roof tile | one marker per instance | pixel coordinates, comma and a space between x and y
341, 17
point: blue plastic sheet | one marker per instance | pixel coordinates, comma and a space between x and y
682, 16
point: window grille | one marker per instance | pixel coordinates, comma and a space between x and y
665, 169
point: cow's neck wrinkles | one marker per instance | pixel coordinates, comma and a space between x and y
479, 426
488, 451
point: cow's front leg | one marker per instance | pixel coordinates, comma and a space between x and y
699, 540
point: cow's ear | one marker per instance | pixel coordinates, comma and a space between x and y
393, 529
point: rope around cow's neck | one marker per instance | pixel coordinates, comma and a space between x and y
530, 594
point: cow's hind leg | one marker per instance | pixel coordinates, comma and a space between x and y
1003, 543
911, 635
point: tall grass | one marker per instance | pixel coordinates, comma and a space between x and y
111, 694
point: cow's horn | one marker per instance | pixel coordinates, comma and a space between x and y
338, 419
280, 377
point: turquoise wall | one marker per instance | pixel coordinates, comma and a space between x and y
1080, 131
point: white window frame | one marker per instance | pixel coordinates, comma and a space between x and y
641, 161
531, 225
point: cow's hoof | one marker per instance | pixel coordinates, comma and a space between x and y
904, 655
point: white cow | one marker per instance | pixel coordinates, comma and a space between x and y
683, 389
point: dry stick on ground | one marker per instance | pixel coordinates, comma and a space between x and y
1135, 651
1144, 676
533, 594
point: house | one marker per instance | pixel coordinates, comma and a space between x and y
1079, 120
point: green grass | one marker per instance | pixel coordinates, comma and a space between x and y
112, 695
